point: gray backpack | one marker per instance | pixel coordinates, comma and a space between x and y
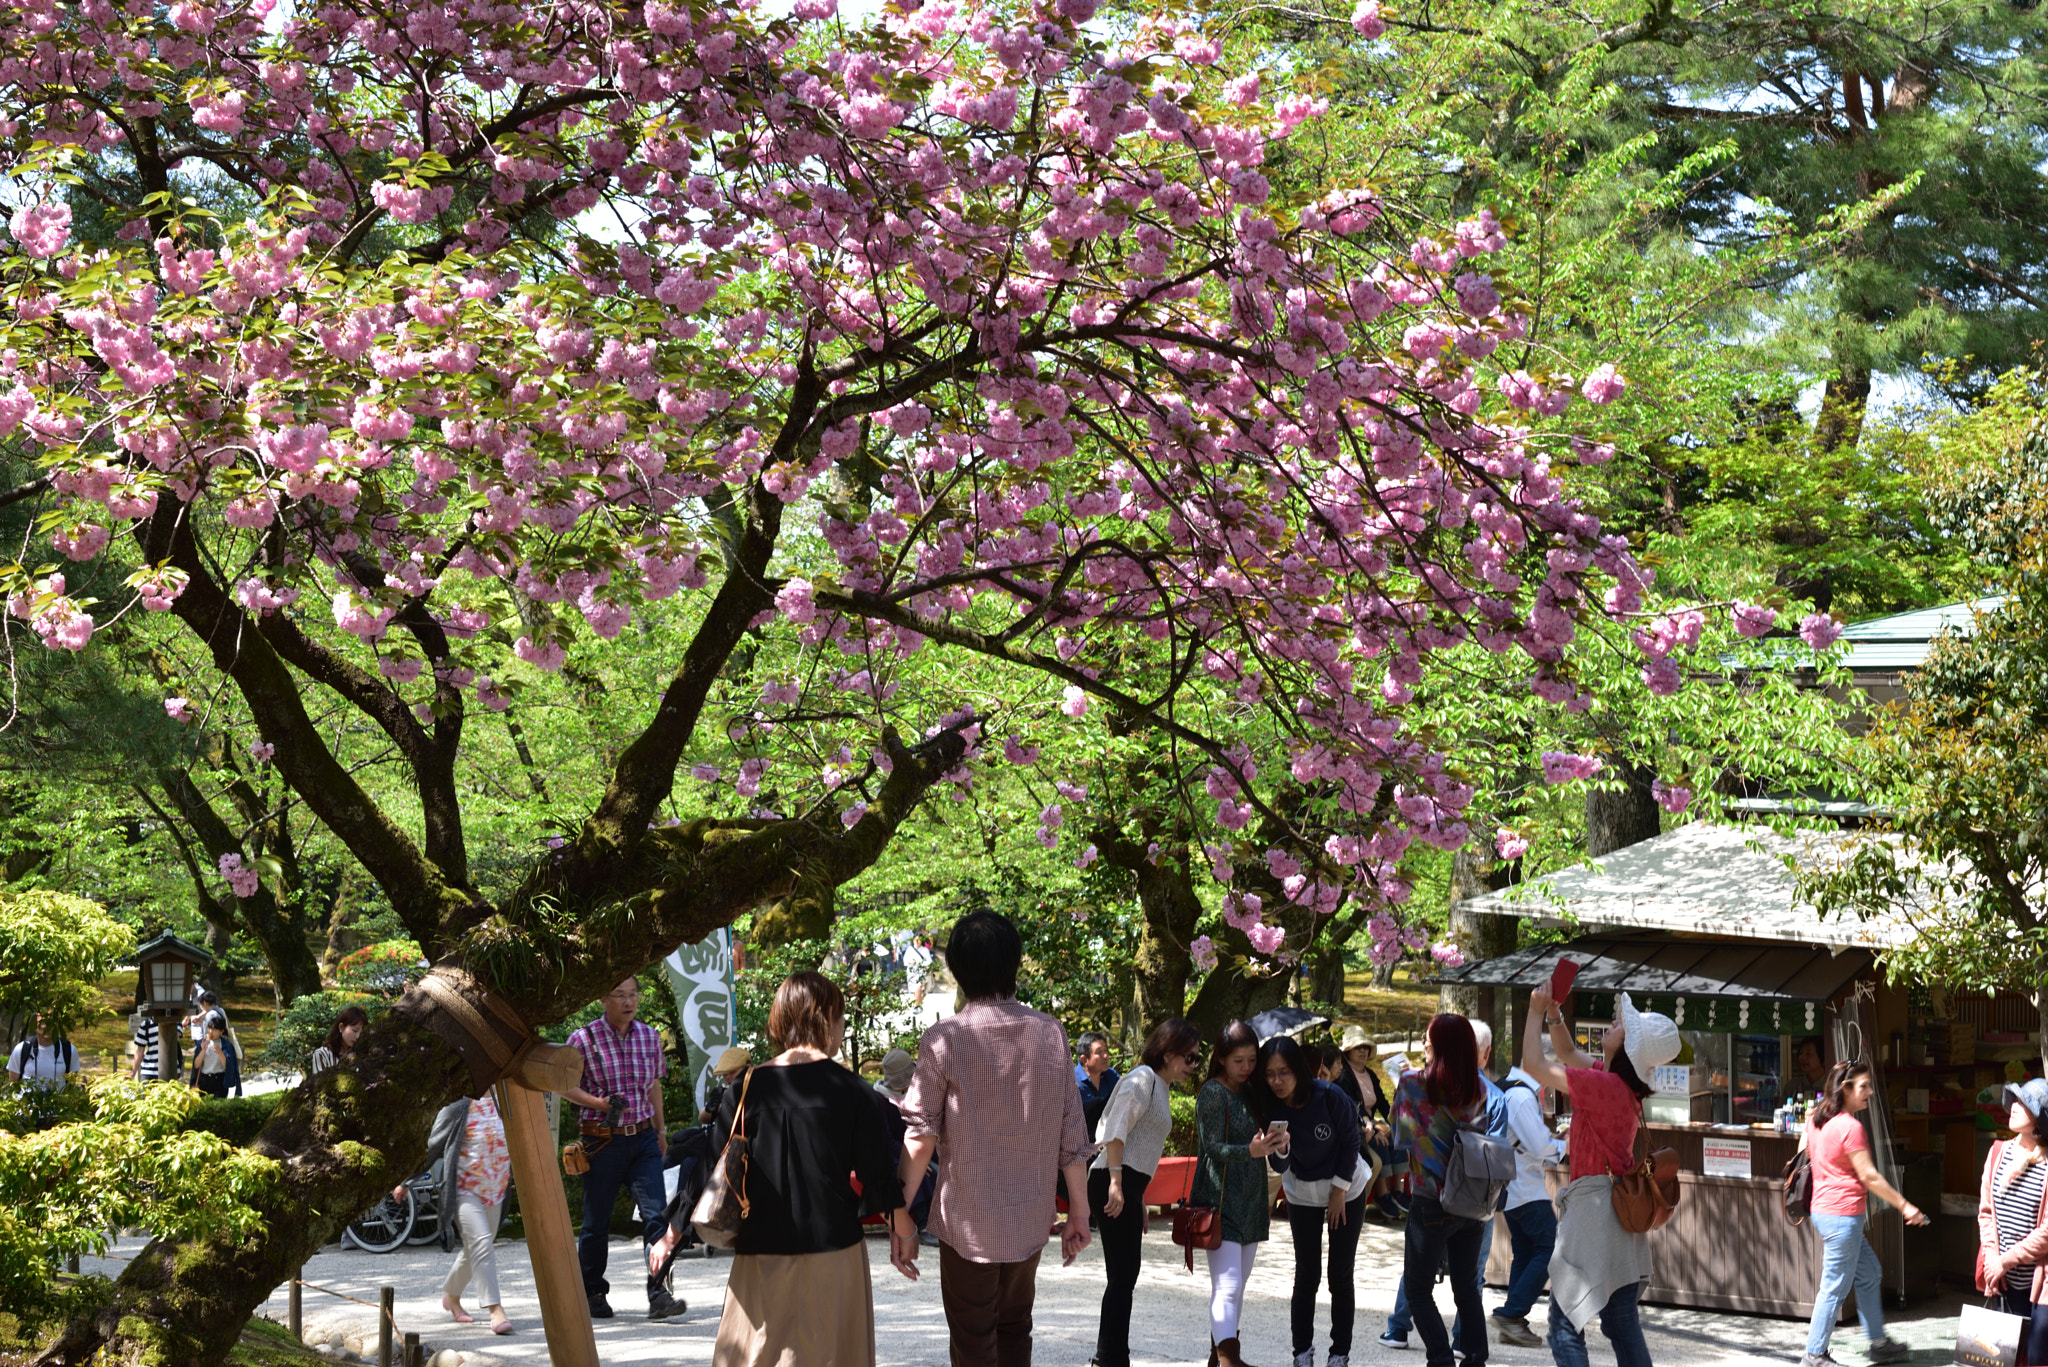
1476, 1173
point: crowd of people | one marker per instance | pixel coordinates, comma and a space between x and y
968, 1146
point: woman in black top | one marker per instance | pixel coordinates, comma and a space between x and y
1324, 1180
799, 1289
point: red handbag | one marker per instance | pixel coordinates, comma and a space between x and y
1200, 1226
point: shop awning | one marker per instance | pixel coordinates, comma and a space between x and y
1705, 878
1701, 984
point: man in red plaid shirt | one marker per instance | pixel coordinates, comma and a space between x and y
624, 1138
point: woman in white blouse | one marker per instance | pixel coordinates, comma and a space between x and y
1132, 1136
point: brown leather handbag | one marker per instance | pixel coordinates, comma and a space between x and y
1646, 1196
724, 1206
1200, 1226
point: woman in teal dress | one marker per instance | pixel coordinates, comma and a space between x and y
1232, 1178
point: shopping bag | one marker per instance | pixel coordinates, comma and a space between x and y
1987, 1337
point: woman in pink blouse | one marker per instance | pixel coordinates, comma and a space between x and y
469, 1142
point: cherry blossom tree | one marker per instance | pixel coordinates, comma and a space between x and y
966, 329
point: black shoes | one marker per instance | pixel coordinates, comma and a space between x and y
662, 1306
600, 1308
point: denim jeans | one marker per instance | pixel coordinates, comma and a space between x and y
1848, 1261
2034, 1336
1433, 1235
1309, 1223
1532, 1230
1402, 1320
1619, 1321
632, 1161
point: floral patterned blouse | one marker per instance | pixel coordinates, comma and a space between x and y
486, 1161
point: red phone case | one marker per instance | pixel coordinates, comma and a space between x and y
1561, 979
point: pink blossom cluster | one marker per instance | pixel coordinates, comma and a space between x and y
241, 879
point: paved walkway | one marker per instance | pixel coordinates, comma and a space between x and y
1170, 1325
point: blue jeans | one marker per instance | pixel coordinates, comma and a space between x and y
1532, 1230
1619, 1321
1403, 1320
632, 1161
1434, 1236
1849, 1260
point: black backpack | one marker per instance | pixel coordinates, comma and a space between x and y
1798, 1193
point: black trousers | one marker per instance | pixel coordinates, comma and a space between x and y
2033, 1338
1308, 1224
1434, 1237
1122, 1238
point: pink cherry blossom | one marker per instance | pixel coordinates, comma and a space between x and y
1753, 619
1564, 767
1511, 844
1266, 937
1671, 798
1448, 954
1365, 18
1202, 951
1086, 857
1819, 630
261, 751
242, 880
1074, 701
179, 709
41, 229
1604, 385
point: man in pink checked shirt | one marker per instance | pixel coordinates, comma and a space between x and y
995, 1096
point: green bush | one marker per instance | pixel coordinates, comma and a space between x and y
237, 1119
1181, 1140
384, 967
27, 1107
304, 1025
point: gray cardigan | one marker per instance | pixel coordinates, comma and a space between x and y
444, 1149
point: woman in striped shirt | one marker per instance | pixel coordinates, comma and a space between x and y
2012, 1219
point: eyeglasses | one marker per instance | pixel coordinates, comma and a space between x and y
1193, 1056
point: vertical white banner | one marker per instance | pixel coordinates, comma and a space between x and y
701, 977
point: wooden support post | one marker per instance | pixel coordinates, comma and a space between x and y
414, 1355
536, 1167
386, 1300
294, 1314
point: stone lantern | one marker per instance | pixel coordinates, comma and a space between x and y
167, 968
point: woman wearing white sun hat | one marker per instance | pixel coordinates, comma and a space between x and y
1598, 1268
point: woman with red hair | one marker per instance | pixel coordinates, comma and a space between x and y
1430, 1107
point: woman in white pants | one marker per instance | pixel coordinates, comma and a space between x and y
1231, 1178
469, 1142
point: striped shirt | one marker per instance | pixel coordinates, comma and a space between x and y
2019, 1212
625, 1065
147, 1036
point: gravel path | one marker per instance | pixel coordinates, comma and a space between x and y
1170, 1324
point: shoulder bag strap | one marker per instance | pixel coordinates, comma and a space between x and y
739, 1121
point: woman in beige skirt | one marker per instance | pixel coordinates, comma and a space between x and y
799, 1292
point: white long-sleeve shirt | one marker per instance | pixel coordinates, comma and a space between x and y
1533, 1140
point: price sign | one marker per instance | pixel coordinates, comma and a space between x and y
1725, 1158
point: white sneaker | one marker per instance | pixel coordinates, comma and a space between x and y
1340, 1360
1305, 1359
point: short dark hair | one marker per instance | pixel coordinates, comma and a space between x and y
1171, 1036
206, 997
1089, 1039
1290, 1053
982, 953
1452, 1077
808, 1006
1329, 1056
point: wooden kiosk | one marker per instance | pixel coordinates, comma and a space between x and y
1700, 924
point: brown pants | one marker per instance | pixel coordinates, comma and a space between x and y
988, 1309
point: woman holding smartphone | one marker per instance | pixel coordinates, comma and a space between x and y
1325, 1180
1231, 1178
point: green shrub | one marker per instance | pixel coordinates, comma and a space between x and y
384, 967
304, 1025
237, 1119
27, 1107
1181, 1140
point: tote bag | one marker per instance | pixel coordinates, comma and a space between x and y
724, 1205
1987, 1337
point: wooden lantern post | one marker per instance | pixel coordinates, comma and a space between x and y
544, 1205
166, 968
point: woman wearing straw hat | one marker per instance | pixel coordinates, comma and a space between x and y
1598, 1267
1356, 1079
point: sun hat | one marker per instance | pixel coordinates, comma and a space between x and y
1354, 1037
1649, 1038
731, 1061
2032, 1094
897, 1067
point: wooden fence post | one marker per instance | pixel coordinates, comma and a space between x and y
414, 1355
550, 1241
387, 1298
294, 1314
